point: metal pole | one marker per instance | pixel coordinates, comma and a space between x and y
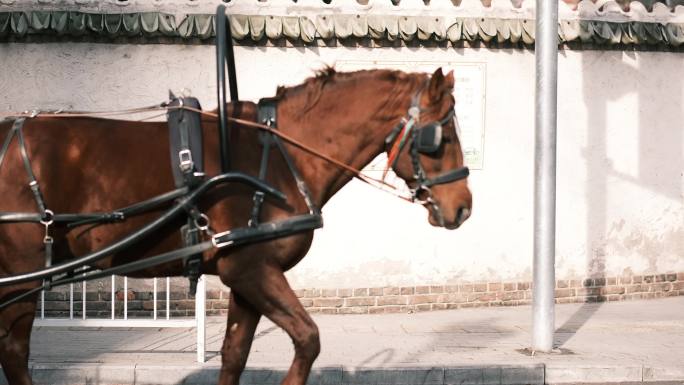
546, 58
154, 299
125, 297
113, 296
200, 317
71, 301
83, 299
168, 298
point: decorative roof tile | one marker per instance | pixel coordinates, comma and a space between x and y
489, 21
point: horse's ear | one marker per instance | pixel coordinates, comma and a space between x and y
449, 80
436, 84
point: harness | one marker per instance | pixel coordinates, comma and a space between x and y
191, 183
187, 165
190, 189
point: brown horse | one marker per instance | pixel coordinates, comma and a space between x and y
90, 165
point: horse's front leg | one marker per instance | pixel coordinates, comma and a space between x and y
269, 293
242, 322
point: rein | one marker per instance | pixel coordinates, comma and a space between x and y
356, 173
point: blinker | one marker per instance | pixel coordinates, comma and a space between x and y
429, 138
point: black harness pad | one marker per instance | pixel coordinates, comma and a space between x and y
267, 114
185, 138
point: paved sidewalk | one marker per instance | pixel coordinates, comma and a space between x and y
623, 342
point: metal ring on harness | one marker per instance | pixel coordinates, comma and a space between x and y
202, 222
48, 218
422, 190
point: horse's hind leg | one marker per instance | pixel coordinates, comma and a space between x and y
16, 321
270, 293
242, 322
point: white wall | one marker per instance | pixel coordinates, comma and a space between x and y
620, 156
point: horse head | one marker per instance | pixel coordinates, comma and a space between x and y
349, 116
424, 150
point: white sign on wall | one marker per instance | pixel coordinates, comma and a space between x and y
469, 92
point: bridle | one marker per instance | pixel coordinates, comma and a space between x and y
424, 139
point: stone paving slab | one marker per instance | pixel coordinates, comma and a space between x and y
623, 342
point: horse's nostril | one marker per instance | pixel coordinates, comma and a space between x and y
462, 214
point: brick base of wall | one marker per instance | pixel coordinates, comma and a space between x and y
375, 300
468, 295
140, 304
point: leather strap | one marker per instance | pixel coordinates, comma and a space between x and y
192, 264
75, 220
267, 114
8, 140
33, 183
142, 233
447, 177
269, 230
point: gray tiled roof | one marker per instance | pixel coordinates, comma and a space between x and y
645, 22
189, 5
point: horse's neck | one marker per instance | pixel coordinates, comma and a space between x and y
353, 134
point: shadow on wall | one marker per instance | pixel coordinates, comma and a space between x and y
647, 154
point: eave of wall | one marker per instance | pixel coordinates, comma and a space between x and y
313, 21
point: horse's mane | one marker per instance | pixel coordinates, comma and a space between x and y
313, 87
318, 81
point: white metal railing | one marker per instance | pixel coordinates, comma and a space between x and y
154, 321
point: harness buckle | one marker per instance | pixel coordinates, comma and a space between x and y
414, 112
47, 239
31, 113
218, 243
186, 163
257, 201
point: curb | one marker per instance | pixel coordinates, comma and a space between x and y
197, 374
